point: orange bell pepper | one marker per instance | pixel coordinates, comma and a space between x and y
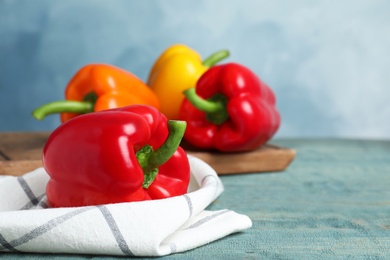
97, 87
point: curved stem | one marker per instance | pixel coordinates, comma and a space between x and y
215, 58
150, 160
80, 107
214, 107
203, 104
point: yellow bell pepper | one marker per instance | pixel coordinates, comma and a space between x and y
178, 68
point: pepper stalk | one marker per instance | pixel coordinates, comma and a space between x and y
215, 58
150, 160
66, 106
214, 107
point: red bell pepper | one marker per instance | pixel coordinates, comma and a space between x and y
230, 110
118, 155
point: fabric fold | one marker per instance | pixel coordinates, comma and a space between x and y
147, 228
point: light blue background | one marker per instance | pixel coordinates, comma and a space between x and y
327, 61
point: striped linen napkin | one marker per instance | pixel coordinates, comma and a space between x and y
148, 228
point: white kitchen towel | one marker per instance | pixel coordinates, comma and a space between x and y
148, 228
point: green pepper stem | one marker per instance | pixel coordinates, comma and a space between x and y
79, 107
202, 104
215, 58
214, 107
150, 160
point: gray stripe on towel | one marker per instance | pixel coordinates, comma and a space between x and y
173, 248
205, 177
207, 219
39, 231
189, 202
115, 231
31, 204
5, 245
26, 188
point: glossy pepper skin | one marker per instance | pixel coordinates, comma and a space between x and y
235, 110
177, 69
105, 157
97, 87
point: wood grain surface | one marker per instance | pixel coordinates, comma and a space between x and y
21, 152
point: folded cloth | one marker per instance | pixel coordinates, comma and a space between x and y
147, 228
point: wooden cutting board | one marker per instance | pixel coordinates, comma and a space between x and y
21, 152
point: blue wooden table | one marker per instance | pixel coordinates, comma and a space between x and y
332, 202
